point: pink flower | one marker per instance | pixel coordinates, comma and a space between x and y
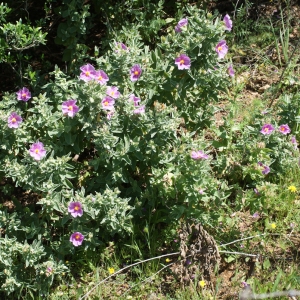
14, 120
230, 71
228, 23
70, 108
183, 22
267, 129
109, 115
222, 49
121, 46
265, 169
88, 72
108, 103
294, 142
135, 99
37, 151
113, 92
76, 238
140, 110
292, 225
198, 155
135, 73
75, 208
284, 129
23, 94
183, 62
101, 77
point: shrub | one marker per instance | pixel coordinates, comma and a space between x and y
112, 154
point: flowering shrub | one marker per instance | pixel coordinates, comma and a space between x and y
117, 141
261, 152
129, 142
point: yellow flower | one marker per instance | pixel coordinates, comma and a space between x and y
273, 225
168, 260
202, 283
111, 270
292, 189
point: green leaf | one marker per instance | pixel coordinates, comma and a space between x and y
229, 259
266, 264
169, 20
68, 183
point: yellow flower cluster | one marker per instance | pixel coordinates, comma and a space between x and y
292, 189
111, 270
202, 283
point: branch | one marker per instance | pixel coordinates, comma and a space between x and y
244, 239
240, 253
149, 278
125, 268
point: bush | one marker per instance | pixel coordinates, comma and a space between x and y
113, 162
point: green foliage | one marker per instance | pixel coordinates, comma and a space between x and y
122, 167
71, 31
149, 15
19, 36
131, 171
16, 38
243, 24
24, 264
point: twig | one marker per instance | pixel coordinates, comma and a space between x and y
235, 9
26, 6
125, 268
33, 44
244, 239
157, 257
148, 278
14, 69
240, 253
